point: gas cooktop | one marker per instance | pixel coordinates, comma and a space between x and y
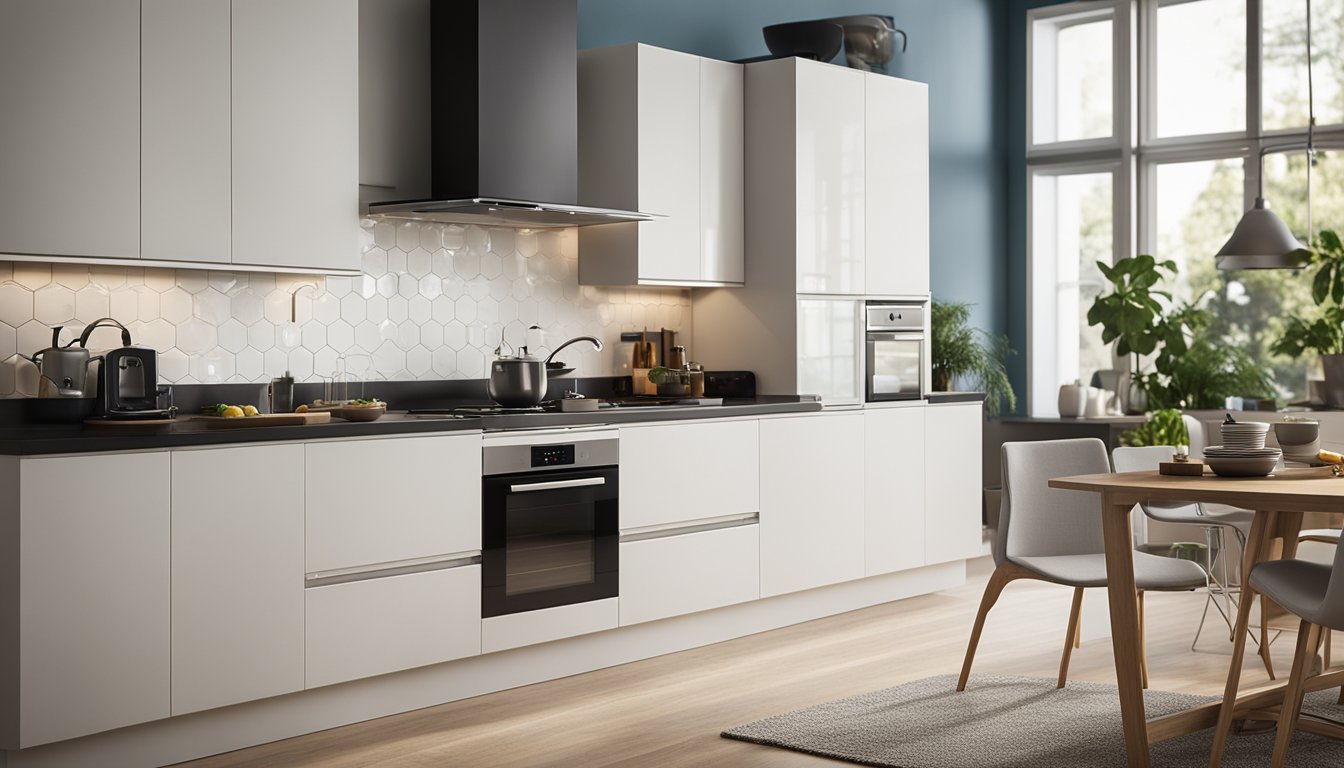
475, 410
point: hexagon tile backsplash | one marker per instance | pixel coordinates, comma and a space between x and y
433, 303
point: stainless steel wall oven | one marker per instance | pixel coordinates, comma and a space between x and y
895, 350
550, 525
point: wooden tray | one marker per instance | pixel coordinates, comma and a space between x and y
266, 420
100, 422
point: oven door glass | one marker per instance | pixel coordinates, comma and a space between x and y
550, 538
895, 366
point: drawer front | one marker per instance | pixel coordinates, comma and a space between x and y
690, 572
365, 628
680, 472
381, 501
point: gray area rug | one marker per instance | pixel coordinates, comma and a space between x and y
1023, 722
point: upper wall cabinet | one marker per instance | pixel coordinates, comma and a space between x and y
202, 131
296, 133
184, 131
661, 132
838, 159
70, 127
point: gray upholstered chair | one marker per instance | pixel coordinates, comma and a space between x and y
1314, 592
1054, 535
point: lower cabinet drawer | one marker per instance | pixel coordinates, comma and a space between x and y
689, 572
366, 628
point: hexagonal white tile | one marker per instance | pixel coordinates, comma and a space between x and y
301, 363
249, 363
72, 276
172, 365
156, 334
420, 310
247, 306
261, 335
314, 335
196, 337
418, 262
389, 357
214, 367
326, 308
466, 264
92, 302
340, 336
418, 361
16, 304
54, 304
175, 305
454, 237
408, 236
465, 310
233, 336
32, 276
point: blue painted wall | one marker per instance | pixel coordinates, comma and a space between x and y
956, 46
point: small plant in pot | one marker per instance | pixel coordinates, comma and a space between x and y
975, 356
1323, 334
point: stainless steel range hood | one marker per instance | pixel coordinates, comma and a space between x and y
504, 128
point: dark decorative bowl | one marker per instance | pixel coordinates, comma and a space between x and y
817, 40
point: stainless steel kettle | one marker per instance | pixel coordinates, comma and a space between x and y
64, 370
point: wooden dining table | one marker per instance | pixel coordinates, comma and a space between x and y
1279, 501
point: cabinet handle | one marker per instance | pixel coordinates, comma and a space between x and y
557, 484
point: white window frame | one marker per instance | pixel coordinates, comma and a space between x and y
1133, 147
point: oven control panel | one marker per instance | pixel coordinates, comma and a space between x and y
552, 455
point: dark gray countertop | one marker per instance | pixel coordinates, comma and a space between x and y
38, 439
935, 398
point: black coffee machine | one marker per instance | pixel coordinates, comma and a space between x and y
128, 383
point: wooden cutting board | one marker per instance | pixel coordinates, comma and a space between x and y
266, 420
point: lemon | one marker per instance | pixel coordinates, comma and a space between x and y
232, 412
249, 410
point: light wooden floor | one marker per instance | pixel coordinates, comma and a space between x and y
668, 711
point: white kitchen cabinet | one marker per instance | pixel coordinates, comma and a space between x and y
386, 500
93, 620
829, 182
677, 574
70, 128
722, 171
894, 456
184, 130
380, 625
831, 349
237, 575
812, 501
896, 184
295, 133
684, 471
952, 527
661, 132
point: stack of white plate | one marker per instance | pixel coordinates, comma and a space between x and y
1231, 461
1245, 434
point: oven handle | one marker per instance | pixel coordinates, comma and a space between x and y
557, 484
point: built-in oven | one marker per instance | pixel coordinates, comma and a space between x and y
895, 350
549, 528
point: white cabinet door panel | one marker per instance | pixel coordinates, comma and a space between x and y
70, 127
296, 133
677, 472
811, 501
893, 453
669, 166
379, 501
93, 594
830, 178
382, 625
237, 575
897, 186
722, 221
830, 349
184, 133
676, 575
952, 481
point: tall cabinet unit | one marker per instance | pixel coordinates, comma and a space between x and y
952, 524
836, 211
70, 128
661, 132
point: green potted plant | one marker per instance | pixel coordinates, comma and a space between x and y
1323, 334
1164, 427
958, 351
1189, 368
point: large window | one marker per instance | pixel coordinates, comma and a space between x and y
1145, 126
